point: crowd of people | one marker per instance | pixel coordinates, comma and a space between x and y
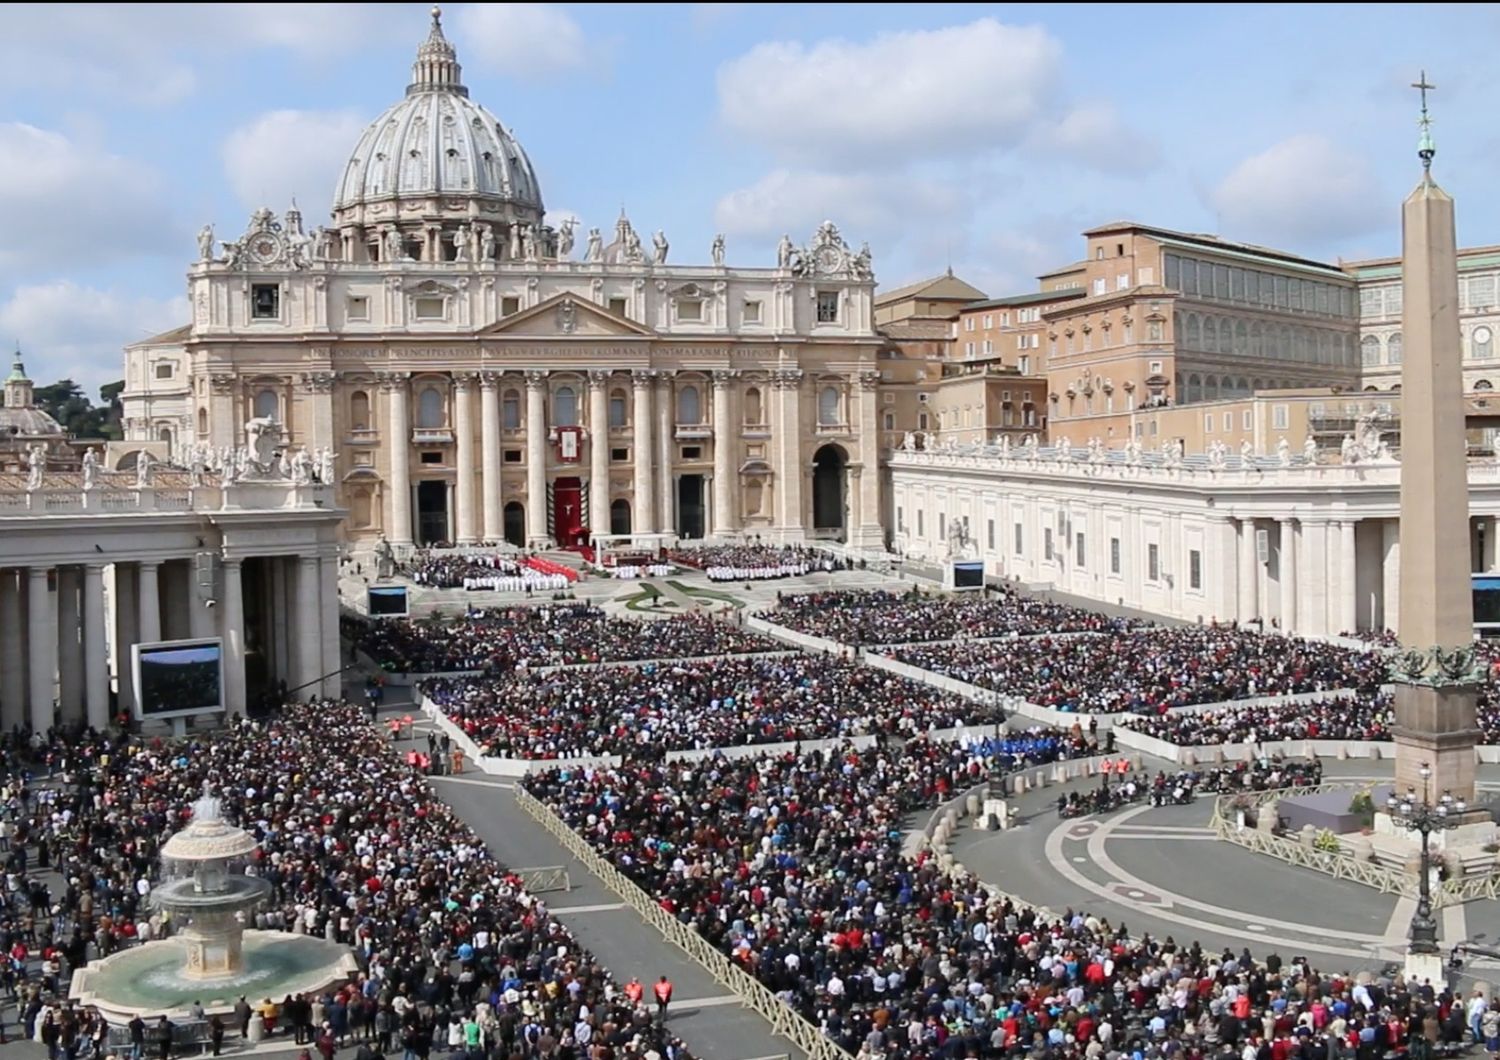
1152, 670
879, 616
501, 639
746, 563
692, 704
1179, 787
792, 866
357, 848
476, 572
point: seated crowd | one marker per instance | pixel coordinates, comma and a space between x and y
743, 563
877, 616
1178, 788
494, 573
691, 704
499, 639
1150, 671
358, 849
793, 867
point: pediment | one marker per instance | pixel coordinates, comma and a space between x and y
566, 316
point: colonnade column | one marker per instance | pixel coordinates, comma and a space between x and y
12, 651
1312, 609
869, 533
328, 597
1490, 559
1390, 541
1348, 610
309, 628
1248, 579
724, 475
666, 495
643, 504
536, 459
42, 641
149, 628
787, 450
489, 431
232, 629
126, 626
95, 667
598, 453
69, 646
1288, 576
463, 426
398, 449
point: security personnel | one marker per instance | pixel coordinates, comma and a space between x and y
663, 992
634, 991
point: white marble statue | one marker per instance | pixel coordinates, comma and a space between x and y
206, 243
1029, 447
716, 251
1247, 452
784, 253
90, 468
461, 240
394, 251
633, 252
262, 437
144, 467
385, 558
515, 241
565, 237
529, 243
1005, 445
659, 248
1284, 452
862, 266
322, 244
1310, 450
36, 465
233, 253
325, 465
595, 250
302, 467
1349, 450
1172, 453
1064, 449
486, 243
908, 443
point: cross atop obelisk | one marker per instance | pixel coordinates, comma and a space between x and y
1425, 147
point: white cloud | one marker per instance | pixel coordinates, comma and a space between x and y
70, 202
1095, 135
67, 330
521, 40
958, 90
284, 153
878, 208
1305, 192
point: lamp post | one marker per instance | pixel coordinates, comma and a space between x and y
1424, 817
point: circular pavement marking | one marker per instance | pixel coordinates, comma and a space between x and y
1255, 927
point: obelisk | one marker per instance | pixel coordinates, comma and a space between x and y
1435, 684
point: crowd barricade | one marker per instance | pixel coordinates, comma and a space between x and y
1212, 754
806, 641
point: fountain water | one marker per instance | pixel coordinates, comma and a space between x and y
210, 959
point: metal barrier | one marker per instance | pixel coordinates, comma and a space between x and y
752, 994
1341, 865
545, 878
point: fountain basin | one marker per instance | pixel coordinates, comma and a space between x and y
234, 893
148, 980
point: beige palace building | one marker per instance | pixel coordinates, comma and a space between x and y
480, 378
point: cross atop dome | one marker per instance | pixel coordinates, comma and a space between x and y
436, 68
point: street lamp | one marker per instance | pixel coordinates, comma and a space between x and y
1425, 818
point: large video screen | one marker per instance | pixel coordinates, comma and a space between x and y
1487, 604
968, 575
176, 678
388, 601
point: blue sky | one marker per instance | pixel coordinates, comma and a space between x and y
984, 135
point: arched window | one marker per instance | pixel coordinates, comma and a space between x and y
752, 406
689, 408
430, 408
510, 410
1194, 336
1369, 350
359, 508
1393, 349
1210, 334
1194, 388
1483, 384
1241, 337
1483, 343
565, 407
754, 494
203, 421
828, 406
266, 405
617, 408
164, 434
359, 410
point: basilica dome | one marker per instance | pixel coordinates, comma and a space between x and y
437, 152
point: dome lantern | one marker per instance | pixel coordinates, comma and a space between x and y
436, 68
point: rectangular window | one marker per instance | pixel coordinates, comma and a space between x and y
919, 522
1279, 417
692, 452
1114, 555
1025, 364
1208, 423
989, 347
1245, 420
752, 313
942, 526
265, 301
969, 350
512, 456
689, 309
164, 371
617, 412
1195, 569
1228, 422
1047, 544
1080, 555
828, 307
430, 308
1020, 540
617, 307
1099, 286
900, 519
432, 458
510, 305
619, 456
1153, 563
990, 535
1122, 281
989, 321
359, 307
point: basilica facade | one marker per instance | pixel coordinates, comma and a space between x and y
481, 375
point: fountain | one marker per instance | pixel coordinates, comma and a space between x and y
210, 959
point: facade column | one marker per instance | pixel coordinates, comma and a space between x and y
42, 642
201, 621
666, 492
69, 646
489, 433
126, 628
724, 524
232, 629
12, 652
1390, 542
598, 453
149, 627
643, 503
309, 628
1227, 567
1288, 576
463, 425
398, 450
1491, 558
868, 534
1248, 578
536, 460
787, 450
95, 667
1348, 609
328, 597
1312, 605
